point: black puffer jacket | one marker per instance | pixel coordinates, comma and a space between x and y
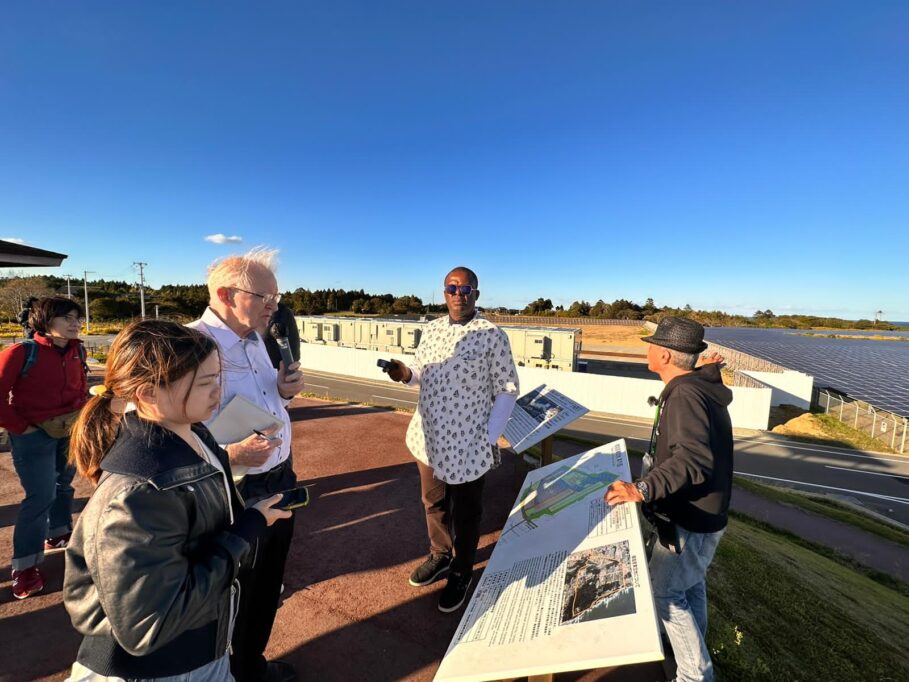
691, 480
151, 570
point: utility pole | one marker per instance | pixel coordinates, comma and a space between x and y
69, 289
85, 282
141, 286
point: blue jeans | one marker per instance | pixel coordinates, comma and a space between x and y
46, 511
680, 592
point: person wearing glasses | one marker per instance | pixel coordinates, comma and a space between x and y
243, 294
468, 387
43, 385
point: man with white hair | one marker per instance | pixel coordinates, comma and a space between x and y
243, 293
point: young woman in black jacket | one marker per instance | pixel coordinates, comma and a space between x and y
151, 571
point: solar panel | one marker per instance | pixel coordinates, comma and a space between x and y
874, 371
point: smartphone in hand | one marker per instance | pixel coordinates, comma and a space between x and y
293, 499
385, 364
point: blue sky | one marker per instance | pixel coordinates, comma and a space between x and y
726, 155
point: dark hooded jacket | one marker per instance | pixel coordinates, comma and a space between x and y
691, 479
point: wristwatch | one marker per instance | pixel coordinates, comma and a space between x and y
644, 489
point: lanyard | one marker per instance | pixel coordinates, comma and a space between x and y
655, 430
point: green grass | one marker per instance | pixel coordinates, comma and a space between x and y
829, 508
838, 434
843, 433
781, 611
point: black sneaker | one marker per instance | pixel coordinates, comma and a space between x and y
430, 570
455, 592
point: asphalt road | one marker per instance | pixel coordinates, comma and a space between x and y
877, 481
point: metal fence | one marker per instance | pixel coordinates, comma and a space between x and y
887, 427
546, 321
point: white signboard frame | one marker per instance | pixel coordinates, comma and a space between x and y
538, 414
567, 586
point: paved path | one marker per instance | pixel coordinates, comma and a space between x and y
866, 548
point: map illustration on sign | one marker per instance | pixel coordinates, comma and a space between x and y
567, 586
558, 490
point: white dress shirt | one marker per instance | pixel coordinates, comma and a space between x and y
247, 370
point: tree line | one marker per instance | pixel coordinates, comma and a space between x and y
623, 309
119, 300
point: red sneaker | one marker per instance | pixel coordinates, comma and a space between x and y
58, 542
27, 581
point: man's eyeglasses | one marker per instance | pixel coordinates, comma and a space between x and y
268, 299
464, 289
73, 318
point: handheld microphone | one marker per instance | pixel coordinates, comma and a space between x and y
283, 346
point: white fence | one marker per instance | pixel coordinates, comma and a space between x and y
750, 408
789, 387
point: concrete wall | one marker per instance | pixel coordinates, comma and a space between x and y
789, 387
750, 407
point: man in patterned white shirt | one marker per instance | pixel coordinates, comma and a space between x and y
468, 387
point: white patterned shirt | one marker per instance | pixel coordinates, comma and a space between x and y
247, 370
461, 368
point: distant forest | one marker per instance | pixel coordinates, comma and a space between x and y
118, 300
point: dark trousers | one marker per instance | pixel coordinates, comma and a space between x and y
453, 514
260, 588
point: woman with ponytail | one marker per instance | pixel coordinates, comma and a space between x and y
152, 566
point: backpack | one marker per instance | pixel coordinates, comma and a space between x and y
31, 356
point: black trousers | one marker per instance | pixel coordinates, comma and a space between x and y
453, 514
260, 588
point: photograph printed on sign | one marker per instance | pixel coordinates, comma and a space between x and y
599, 583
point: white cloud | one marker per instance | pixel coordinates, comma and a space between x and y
14, 240
223, 239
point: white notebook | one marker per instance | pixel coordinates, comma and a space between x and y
238, 420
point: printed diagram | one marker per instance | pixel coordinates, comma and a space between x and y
556, 492
539, 406
561, 489
598, 584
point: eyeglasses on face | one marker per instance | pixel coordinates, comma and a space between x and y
72, 317
464, 289
268, 299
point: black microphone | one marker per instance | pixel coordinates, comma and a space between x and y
653, 402
283, 346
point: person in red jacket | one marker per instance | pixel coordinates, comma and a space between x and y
44, 386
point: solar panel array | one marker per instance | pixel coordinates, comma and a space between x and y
873, 371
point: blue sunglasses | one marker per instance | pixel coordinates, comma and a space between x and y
464, 289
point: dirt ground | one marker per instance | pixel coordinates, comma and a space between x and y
804, 425
620, 336
348, 611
